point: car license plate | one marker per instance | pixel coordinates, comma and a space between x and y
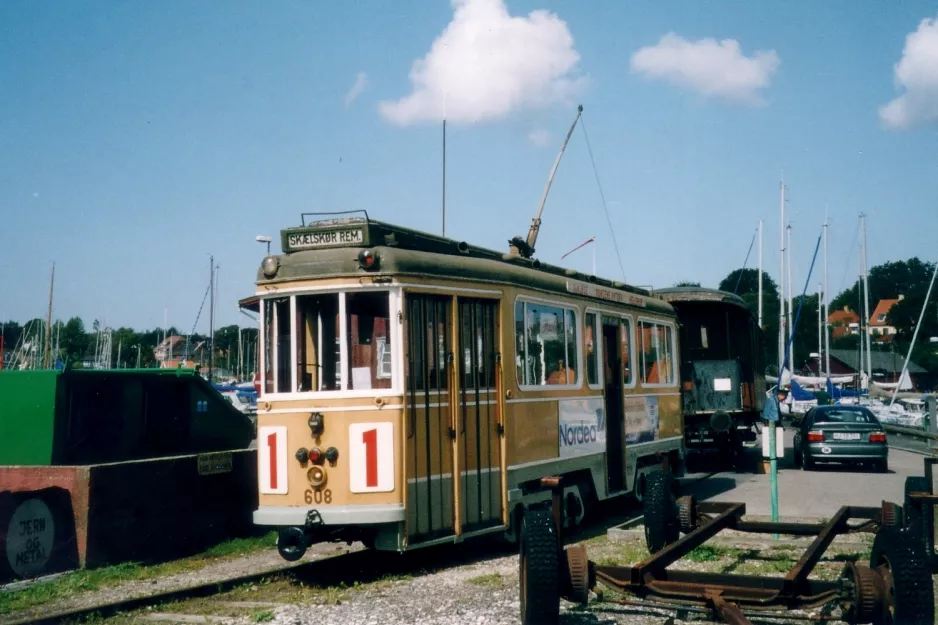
846, 436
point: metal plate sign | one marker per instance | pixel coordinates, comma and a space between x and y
324, 238
219, 462
30, 537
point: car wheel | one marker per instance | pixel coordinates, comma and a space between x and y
807, 463
883, 466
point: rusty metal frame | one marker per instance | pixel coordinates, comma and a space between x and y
926, 502
727, 596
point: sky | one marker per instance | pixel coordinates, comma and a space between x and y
140, 139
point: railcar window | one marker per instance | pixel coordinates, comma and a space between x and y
547, 338
626, 331
657, 350
367, 324
428, 331
317, 360
277, 344
592, 349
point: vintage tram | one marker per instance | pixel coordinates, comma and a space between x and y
416, 389
722, 369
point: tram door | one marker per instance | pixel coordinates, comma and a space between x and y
428, 420
612, 368
478, 439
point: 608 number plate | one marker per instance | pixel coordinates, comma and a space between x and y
318, 496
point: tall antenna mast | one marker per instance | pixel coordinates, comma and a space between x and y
525, 247
48, 343
444, 177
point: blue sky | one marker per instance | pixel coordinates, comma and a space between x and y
139, 138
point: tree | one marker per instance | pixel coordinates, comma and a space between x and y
745, 283
685, 283
74, 341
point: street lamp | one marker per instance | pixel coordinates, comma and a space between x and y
264, 239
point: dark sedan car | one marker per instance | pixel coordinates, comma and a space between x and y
836, 433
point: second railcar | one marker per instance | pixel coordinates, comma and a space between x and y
722, 369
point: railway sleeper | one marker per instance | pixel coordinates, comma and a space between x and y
895, 587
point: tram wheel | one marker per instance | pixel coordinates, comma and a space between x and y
662, 520
539, 568
902, 563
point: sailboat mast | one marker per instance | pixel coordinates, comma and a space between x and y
211, 320
820, 342
827, 312
866, 302
861, 362
47, 352
781, 285
791, 329
760, 274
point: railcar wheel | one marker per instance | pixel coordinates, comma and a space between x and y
539, 568
662, 520
867, 603
913, 512
578, 582
909, 594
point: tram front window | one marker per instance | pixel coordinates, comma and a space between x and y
321, 364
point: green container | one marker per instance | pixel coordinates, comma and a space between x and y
84, 416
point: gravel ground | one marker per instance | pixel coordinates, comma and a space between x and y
486, 591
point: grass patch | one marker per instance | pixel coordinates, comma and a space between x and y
706, 553
89, 580
263, 617
492, 579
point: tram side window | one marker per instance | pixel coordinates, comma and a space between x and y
317, 359
546, 339
626, 327
657, 349
592, 350
368, 326
277, 342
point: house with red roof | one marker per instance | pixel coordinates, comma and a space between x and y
880, 330
843, 322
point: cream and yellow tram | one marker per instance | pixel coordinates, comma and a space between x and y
414, 389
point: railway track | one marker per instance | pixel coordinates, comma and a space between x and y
332, 570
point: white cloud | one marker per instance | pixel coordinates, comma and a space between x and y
917, 72
539, 137
361, 83
717, 69
486, 64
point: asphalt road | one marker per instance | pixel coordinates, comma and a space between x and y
815, 493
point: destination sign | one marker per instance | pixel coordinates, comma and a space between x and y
324, 238
612, 295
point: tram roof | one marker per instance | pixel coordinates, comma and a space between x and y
320, 249
699, 294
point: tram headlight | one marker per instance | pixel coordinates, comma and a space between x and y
316, 424
270, 265
316, 477
367, 259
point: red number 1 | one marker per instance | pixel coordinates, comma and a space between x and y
272, 447
370, 439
